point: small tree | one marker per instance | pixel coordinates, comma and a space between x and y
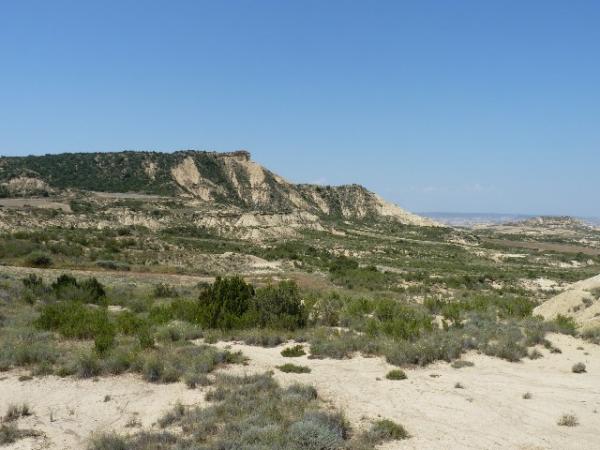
279, 306
226, 302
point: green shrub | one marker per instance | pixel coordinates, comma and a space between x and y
129, 323
108, 442
279, 306
314, 435
113, 265
39, 259
459, 364
592, 335
75, 320
342, 263
225, 303
32, 281
293, 352
66, 287
63, 281
88, 365
153, 369
578, 368
568, 420
104, 340
293, 368
385, 430
145, 338
9, 433
396, 374
565, 325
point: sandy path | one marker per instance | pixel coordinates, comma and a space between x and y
489, 413
68, 410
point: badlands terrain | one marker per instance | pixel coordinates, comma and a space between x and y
196, 300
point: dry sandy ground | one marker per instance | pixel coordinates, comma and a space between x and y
489, 413
20, 203
571, 303
68, 410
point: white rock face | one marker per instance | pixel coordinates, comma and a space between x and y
27, 185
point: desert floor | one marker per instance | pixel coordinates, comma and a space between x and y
489, 412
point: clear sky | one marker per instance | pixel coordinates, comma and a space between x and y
469, 106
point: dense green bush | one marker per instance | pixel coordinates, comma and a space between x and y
113, 265
385, 430
231, 303
279, 306
39, 259
293, 368
32, 281
67, 287
226, 302
75, 320
565, 325
293, 352
396, 374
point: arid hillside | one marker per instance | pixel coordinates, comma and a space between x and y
217, 179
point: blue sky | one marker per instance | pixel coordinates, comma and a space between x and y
463, 106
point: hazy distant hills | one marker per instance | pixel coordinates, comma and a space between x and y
472, 219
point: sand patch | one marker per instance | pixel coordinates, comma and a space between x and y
576, 301
488, 413
67, 410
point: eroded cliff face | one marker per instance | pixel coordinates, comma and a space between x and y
257, 188
220, 180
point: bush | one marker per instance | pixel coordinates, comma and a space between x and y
153, 369
535, 354
145, 338
279, 306
66, 287
592, 335
568, 420
293, 368
163, 290
113, 265
88, 365
75, 320
578, 368
459, 364
39, 259
326, 310
32, 281
319, 430
225, 302
386, 430
108, 442
10, 434
565, 325
293, 352
396, 374
104, 340
63, 281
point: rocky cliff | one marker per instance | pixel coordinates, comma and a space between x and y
221, 179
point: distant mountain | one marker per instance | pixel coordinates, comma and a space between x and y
221, 179
471, 219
